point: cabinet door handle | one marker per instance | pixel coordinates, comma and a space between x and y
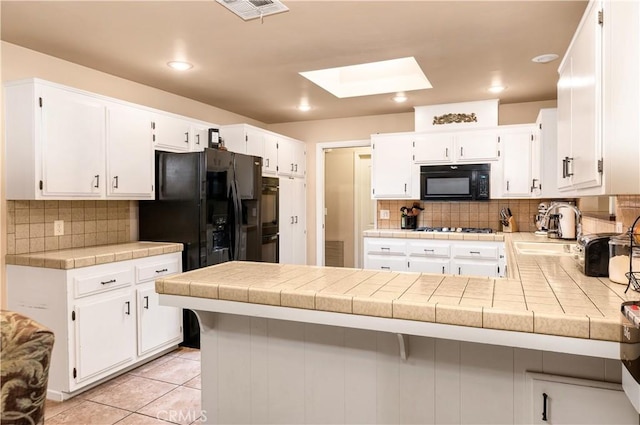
108, 282
115, 182
267, 164
128, 312
296, 222
544, 406
187, 137
533, 185
564, 168
446, 152
474, 252
507, 185
385, 248
569, 160
428, 250
296, 170
459, 270
146, 302
162, 270
385, 267
405, 188
292, 220
292, 166
97, 181
197, 139
461, 151
442, 269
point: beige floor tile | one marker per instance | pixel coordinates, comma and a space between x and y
194, 383
52, 408
188, 353
88, 412
176, 371
181, 405
138, 419
111, 383
141, 370
133, 394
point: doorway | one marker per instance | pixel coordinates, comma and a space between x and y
348, 207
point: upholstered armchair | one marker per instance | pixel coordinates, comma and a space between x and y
25, 356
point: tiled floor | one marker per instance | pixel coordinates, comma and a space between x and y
165, 390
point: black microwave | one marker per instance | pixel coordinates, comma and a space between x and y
466, 182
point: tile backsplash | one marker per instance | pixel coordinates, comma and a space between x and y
463, 213
86, 224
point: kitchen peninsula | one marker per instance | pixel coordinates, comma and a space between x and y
305, 344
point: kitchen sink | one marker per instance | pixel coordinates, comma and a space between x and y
544, 248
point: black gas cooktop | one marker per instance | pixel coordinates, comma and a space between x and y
455, 229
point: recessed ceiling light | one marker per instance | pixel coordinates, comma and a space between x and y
390, 76
400, 97
496, 89
179, 66
304, 108
546, 58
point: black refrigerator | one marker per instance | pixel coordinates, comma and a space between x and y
210, 202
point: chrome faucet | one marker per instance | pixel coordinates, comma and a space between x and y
568, 205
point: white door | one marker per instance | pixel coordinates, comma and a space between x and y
286, 160
516, 148
575, 401
477, 145
129, 153
392, 166
105, 330
365, 207
433, 148
428, 265
564, 125
200, 137
157, 325
172, 134
299, 158
73, 144
299, 242
471, 268
286, 220
255, 142
270, 157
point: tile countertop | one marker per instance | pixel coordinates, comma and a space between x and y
83, 257
542, 295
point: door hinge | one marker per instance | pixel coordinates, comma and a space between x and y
600, 166
414, 157
75, 373
153, 125
374, 191
532, 137
498, 139
498, 154
73, 315
373, 146
246, 137
600, 17
540, 126
414, 144
41, 185
40, 101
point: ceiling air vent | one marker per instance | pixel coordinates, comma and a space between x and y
252, 9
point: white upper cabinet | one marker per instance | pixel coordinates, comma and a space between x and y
200, 137
130, 161
544, 157
270, 157
517, 146
392, 166
291, 157
456, 146
580, 106
55, 143
171, 133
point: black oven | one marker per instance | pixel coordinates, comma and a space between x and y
466, 182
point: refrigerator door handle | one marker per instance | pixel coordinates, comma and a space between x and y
237, 209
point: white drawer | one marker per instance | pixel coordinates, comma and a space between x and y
156, 270
384, 262
475, 252
385, 246
100, 282
426, 249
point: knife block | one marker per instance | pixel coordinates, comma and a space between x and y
512, 227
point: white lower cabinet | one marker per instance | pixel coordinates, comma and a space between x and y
470, 258
105, 318
292, 219
553, 399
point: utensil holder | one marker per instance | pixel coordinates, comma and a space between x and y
408, 222
512, 227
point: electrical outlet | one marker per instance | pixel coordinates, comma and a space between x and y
58, 228
619, 227
384, 214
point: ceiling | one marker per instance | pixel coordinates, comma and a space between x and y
251, 67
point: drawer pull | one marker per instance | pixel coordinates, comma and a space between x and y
474, 252
428, 250
108, 281
544, 406
128, 312
146, 302
385, 267
385, 248
162, 270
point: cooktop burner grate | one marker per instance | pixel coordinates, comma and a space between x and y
455, 229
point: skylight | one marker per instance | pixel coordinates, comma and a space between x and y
390, 76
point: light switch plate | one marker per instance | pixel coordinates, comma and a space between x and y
384, 214
619, 227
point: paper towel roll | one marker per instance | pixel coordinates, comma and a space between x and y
567, 222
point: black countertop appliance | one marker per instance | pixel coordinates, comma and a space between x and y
210, 202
